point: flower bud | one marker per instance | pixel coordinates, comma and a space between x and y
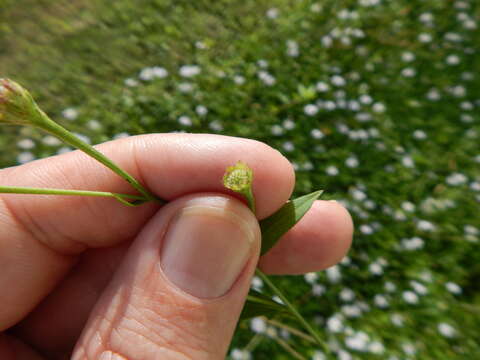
17, 105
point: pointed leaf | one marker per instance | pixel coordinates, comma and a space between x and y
275, 226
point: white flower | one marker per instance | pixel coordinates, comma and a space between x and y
419, 134
216, 125
272, 13
409, 349
407, 161
266, 78
414, 243
408, 56
277, 130
335, 323
322, 86
258, 325
380, 301
456, 179
397, 319
318, 355
375, 268
331, 170
239, 80
366, 99
337, 80
342, 354
446, 330
237, 354
376, 347
433, 95
94, 124
288, 124
408, 206
409, 72
131, 82
25, 157
351, 311
410, 297
419, 288
70, 114
333, 274
292, 48
318, 290
378, 108
352, 162
201, 110
189, 70
185, 87
426, 17
453, 288
26, 144
311, 277
358, 195
316, 134
359, 341
50, 140
452, 60
310, 109
185, 120
288, 146
425, 225
347, 295
159, 72
366, 229
424, 38
327, 41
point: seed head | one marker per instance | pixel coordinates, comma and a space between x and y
238, 177
17, 105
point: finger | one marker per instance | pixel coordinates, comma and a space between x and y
42, 235
181, 287
318, 241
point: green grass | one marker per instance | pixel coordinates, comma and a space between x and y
78, 55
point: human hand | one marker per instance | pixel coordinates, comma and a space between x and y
93, 278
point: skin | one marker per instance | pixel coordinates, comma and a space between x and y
80, 280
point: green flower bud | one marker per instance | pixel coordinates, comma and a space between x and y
17, 105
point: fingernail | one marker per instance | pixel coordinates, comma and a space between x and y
206, 248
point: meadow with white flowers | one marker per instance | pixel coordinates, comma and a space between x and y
375, 101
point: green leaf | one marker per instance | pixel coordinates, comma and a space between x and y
284, 219
258, 304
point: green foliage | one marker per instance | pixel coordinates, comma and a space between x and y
391, 131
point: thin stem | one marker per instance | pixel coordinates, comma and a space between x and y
254, 341
291, 330
289, 349
66, 136
38, 191
293, 310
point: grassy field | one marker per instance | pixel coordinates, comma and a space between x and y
375, 101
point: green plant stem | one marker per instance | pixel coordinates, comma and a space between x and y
294, 354
291, 330
293, 310
53, 128
38, 191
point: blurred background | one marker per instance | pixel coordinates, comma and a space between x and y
375, 101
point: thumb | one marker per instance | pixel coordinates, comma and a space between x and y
181, 287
